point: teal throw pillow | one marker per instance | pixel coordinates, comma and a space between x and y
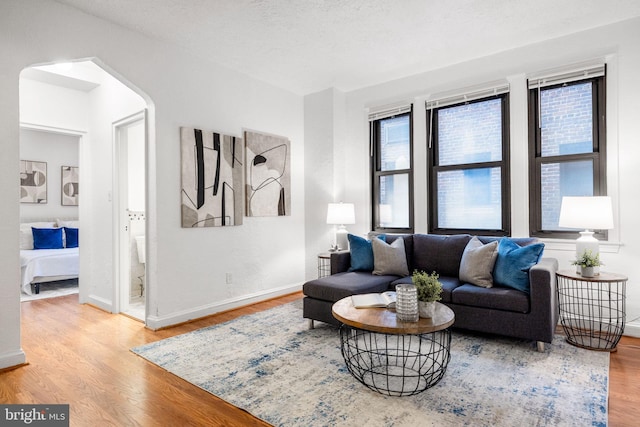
514, 262
47, 238
361, 252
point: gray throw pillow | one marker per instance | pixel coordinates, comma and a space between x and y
477, 263
389, 258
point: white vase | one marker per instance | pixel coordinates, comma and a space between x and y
426, 309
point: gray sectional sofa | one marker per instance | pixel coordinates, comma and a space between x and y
500, 309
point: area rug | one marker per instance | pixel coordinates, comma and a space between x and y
53, 290
274, 367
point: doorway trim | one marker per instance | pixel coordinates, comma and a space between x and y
121, 266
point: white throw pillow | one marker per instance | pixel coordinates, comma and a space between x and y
26, 235
68, 223
389, 258
477, 263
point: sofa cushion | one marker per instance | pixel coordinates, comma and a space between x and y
389, 258
361, 252
497, 297
338, 286
514, 262
478, 260
448, 285
441, 254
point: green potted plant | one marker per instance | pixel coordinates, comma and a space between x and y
429, 291
587, 262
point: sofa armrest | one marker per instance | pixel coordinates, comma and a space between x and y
340, 261
543, 296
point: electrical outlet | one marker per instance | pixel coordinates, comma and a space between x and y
229, 279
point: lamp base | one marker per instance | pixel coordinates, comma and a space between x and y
342, 241
586, 242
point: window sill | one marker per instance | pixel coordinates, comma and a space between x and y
570, 245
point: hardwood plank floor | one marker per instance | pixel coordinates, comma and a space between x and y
78, 354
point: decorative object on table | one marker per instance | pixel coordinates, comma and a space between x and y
268, 180
341, 214
429, 291
588, 213
407, 303
69, 187
490, 380
33, 182
211, 178
587, 262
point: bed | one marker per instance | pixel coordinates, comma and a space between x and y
39, 266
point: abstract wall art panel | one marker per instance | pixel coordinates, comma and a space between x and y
212, 175
33, 182
69, 186
268, 180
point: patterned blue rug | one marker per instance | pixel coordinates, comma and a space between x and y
271, 365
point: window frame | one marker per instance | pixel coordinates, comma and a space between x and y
434, 169
377, 172
597, 155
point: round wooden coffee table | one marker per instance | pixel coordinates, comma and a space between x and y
390, 356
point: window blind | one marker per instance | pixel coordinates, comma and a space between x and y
465, 95
388, 111
567, 75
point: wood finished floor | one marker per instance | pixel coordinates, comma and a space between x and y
80, 355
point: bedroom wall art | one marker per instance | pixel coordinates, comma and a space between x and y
268, 180
212, 173
33, 182
69, 185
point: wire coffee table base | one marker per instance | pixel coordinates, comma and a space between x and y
396, 364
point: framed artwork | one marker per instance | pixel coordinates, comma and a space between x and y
268, 175
212, 175
33, 182
69, 188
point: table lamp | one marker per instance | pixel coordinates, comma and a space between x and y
590, 213
340, 214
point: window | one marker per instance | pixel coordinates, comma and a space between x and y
392, 173
566, 146
468, 167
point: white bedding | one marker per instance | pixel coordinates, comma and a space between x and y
43, 265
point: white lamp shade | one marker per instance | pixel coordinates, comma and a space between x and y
592, 213
341, 213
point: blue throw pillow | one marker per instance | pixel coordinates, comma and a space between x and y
514, 262
71, 235
47, 238
361, 252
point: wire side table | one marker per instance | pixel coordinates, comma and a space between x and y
390, 356
324, 264
592, 309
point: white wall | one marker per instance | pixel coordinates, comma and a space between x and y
56, 150
616, 44
265, 256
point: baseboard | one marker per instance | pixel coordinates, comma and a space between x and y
100, 302
13, 358
632, 329
157, 322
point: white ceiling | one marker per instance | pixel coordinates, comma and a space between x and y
309, 45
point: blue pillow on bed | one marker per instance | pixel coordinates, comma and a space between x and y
71, 235
47, 238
